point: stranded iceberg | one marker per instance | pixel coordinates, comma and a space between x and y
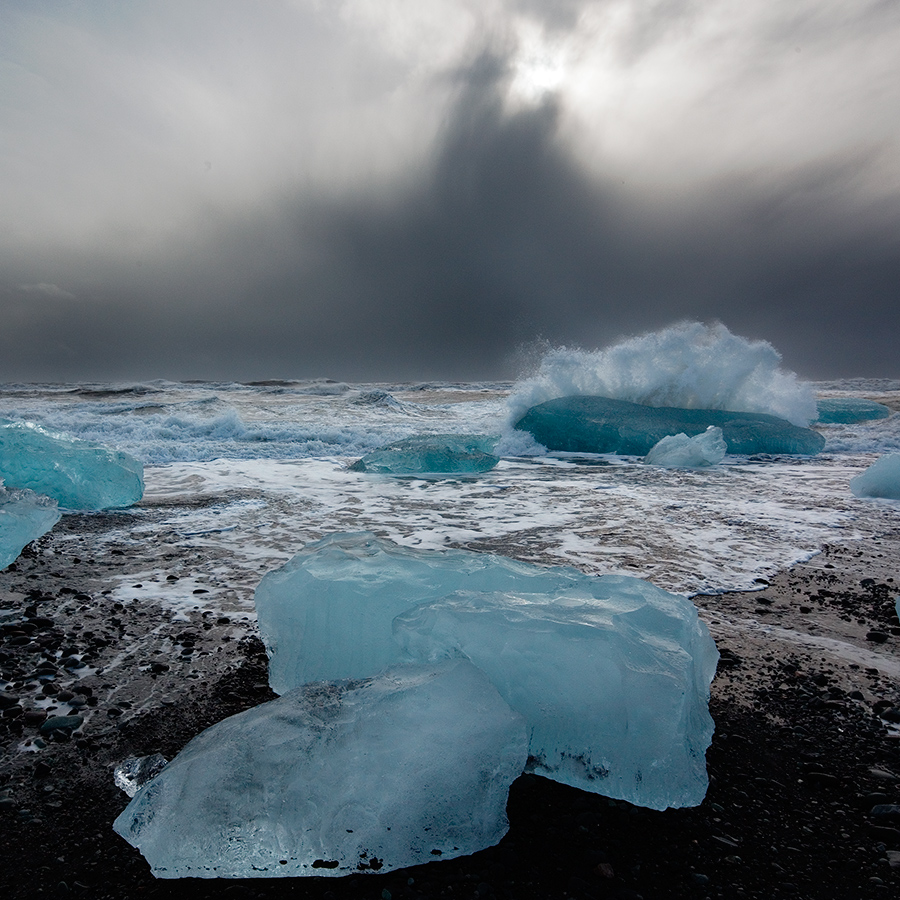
611, 673
586, 424
416, 685
77, 474
331, 779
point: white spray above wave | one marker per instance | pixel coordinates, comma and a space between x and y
689, 365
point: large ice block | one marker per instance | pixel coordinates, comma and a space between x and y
77, 474
679, 450
848, 410
613, 682
432, 454
881, 479
24, 517
584, 424
331, 779
326, 614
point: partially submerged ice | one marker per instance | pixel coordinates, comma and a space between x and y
617, 670
681, 451
24, 517
613, 683
432, 454
331, 779
583, 424
848, 410
881, 479
77, 474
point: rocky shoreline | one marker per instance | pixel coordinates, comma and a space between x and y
804, 797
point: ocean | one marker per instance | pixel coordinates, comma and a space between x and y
243, 475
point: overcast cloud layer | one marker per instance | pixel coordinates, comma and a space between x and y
385, 189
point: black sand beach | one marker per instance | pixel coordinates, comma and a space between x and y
804, 797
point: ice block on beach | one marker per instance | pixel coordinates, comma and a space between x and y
24, 517
613, 683
432, 454
327, 613
611, 672
332, 779
77, 474
583, 424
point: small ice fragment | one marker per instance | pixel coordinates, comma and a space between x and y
881, 479
133, 773
681, 451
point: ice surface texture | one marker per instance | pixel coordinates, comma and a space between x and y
326, 614
614, 684
849, 410
402, 769
432, 454
603, 425
611, 672
679, 450
881, 479
76, 474
24, 517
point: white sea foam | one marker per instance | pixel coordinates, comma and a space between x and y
689, 365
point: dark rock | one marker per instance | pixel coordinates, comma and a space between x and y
61, 723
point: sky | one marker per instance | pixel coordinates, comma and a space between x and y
421, 189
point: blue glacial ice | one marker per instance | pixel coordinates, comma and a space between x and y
881, 479
330, 613
24, 517
77, 474
332, 779
326, 614
613, 681
848, 410
432, 454
679, 450
584, 424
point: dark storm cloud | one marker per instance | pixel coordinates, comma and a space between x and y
504, 226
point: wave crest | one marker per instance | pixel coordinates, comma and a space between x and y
690, 365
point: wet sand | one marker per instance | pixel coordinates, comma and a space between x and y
804, 748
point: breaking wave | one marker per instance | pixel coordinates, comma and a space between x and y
690, 365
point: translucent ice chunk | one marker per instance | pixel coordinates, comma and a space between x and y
133, 773
881, 479
24, 517
432, 454
77, 474
847, 410
613, 684
326, 614
601, 425
706, 449
332, 779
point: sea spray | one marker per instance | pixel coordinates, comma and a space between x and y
689, 365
